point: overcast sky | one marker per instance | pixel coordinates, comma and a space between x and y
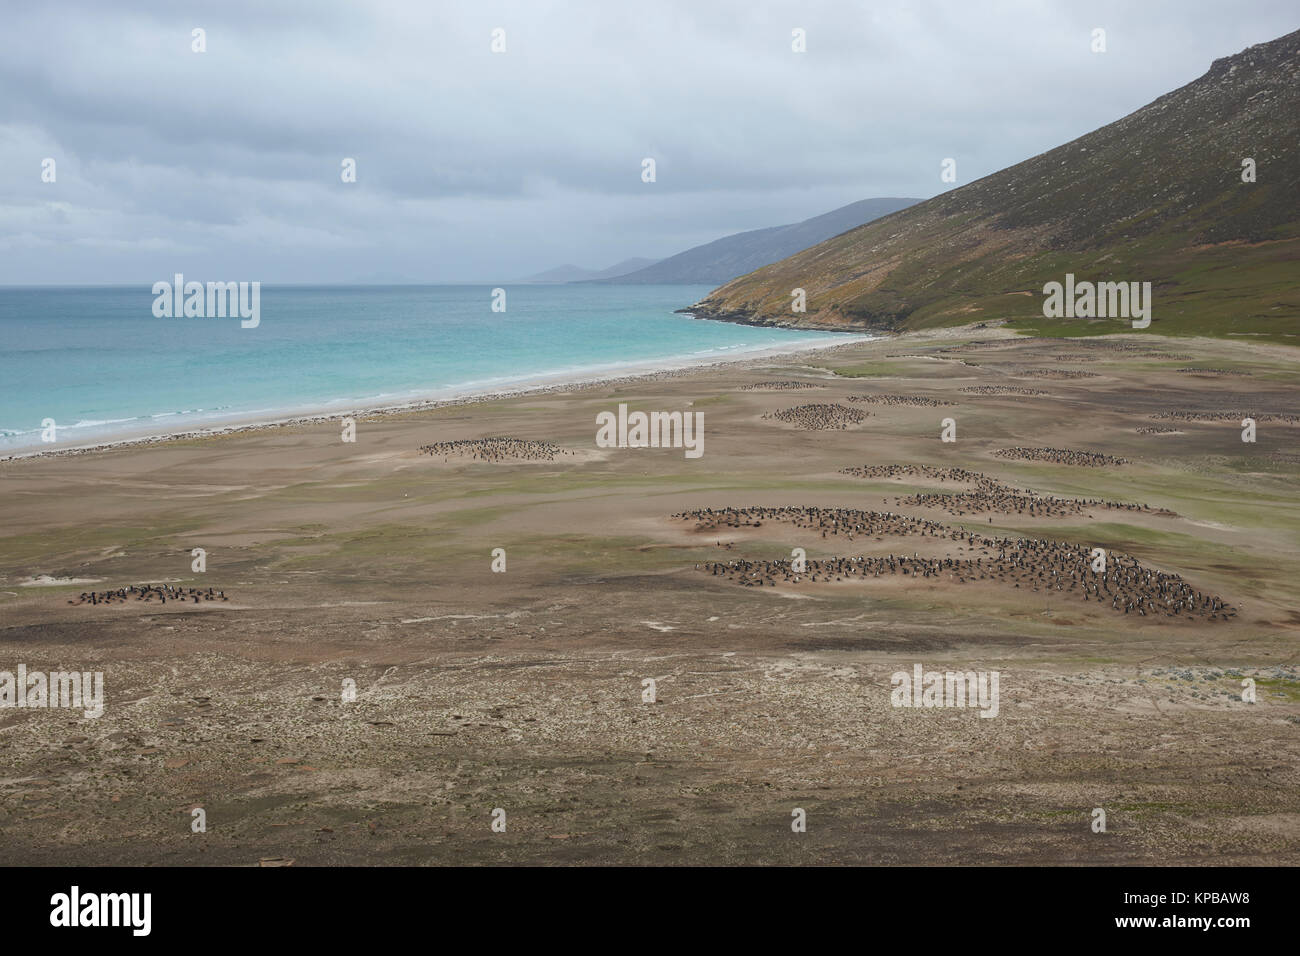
474, 165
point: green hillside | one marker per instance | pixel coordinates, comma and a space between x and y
1155, 197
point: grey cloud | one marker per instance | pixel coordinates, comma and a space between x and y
478, 166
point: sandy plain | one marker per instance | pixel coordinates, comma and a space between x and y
476, 690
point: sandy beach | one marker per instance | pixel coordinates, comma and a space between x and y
332, 565
538, 385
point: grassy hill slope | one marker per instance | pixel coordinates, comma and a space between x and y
1157, 196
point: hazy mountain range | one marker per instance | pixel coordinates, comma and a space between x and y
724, 259
1157, 196
569, 273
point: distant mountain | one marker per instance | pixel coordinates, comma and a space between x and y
623, 268
724, 259
1157, 197
569, 273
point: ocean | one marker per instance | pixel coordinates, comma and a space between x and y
103, 367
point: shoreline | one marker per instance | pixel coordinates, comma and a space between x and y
649, 370
807, 322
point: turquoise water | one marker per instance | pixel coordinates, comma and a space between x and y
102, 366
